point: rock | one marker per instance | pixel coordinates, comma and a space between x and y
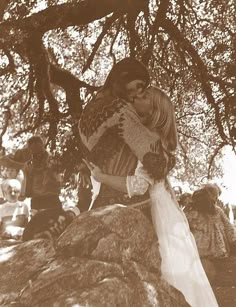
112, 235
106, 257
18, 263
85, 282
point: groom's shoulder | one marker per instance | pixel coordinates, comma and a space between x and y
101, 109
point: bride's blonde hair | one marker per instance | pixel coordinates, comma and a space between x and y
163, 118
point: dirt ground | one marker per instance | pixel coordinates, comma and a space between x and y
222, 275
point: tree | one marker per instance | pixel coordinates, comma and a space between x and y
54, 56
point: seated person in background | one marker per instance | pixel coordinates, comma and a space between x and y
215, 191
215, 236
49, 223
42, 178
178, 192
185, 201
10, 173
14, 214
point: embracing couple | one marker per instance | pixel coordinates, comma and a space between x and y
129, 138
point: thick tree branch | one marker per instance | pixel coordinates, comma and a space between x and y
63, 16
72, 86
40, 64
65, 79
161, 14
30, 90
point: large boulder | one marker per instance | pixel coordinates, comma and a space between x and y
112, 234
18, 263
106, 257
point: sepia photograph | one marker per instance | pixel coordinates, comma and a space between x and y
117, 153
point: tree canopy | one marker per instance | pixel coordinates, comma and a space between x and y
55, 54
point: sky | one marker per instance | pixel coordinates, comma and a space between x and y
229, 178
227, 182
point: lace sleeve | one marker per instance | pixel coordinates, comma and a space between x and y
139, 183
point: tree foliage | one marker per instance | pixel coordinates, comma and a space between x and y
55, 54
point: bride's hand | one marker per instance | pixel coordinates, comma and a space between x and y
96, 172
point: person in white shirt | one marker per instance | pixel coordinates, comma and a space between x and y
14, 214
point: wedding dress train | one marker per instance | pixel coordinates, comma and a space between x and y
181, 265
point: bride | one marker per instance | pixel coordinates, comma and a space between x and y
181, 265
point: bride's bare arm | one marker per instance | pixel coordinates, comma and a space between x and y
116, 182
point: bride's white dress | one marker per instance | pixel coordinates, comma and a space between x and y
181, 265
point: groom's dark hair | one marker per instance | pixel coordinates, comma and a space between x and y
123, 72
